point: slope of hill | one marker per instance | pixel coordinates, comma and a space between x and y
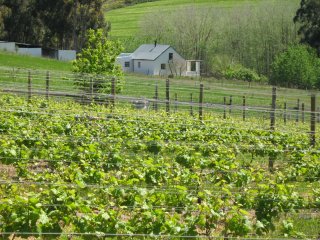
28, 62
125, 21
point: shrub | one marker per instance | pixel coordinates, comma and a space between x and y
96, 64
239, 72
298, 66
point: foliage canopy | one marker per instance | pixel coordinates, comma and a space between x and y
298, 67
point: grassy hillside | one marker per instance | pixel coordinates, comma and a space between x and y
23, 61
125, 21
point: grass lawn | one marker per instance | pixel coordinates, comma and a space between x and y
214, 91
14, 75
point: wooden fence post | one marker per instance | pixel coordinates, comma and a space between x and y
167, 96
29, 86
191, 104
302, 112
230, 104
156, 98
175, 102
272, 124
113, 91
244, 108
47, 85
201, 102
273, 108
91, 88
298, 109
313, 121
224, 107
285, 113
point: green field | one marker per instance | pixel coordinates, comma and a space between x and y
125, 21
11, 60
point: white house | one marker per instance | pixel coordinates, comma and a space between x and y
156, 59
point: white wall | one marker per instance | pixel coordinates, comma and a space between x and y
8, 46
30, 51
178, 64
121, 61
146, 67
67, 55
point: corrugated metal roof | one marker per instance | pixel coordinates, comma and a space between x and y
149, 51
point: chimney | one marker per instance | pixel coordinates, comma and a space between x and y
155, 43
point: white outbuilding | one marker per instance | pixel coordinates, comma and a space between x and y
160, 60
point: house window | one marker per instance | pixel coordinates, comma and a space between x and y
139, 64
163, 66
193, 66
170, 56
127, 64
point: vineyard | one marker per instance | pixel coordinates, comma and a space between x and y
82, 171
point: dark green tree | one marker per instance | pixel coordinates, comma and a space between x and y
57, 19
309, 16
20, 25
59, 23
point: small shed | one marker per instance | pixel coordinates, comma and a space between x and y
21, 48
8, 46
29, 49
66, 55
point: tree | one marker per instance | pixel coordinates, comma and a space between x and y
5, 12
98, 60
298, 67
20, 25
58, 24
309, 16
251, 35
